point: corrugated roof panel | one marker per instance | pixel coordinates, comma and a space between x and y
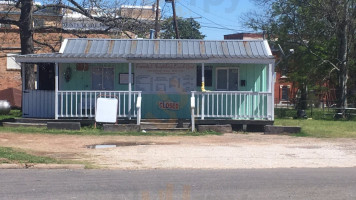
142, 49
208, 50
179, 49
133, 48
196, 49
247, 48
254, 51
121, 47
174, 49
265, 53
225, 49
168, 50
81, 46
127, 48
214, 49
242, 49
161, 49
185, 49
68, 48
230, 46
150, 48
219, 49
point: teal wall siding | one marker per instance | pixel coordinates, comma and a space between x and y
255, 76
81, 80
152, 110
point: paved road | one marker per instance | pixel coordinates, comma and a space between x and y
326, 183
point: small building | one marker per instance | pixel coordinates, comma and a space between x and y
155, 79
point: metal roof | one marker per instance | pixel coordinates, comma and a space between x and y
104, 50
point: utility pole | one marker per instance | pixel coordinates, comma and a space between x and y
175, 19
156, 20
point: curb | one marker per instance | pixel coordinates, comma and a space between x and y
41, 166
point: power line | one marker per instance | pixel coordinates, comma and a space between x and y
203, 16
226, 19
228, 29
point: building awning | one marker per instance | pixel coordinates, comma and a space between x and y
156, 51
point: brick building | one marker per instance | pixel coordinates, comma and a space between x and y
49, 40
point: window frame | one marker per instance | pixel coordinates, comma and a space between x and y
228, 78
102, 78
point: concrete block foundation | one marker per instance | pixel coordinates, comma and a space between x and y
121, 127
282, 129
217, 128
64, 125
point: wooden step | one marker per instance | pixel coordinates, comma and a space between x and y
153, 125
166, 130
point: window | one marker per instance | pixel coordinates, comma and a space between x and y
11, 63
38, 23
103, 78
227, 79
285, 93
208, 76
5, 25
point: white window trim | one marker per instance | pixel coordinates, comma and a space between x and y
102, 77
11, 64
228, 76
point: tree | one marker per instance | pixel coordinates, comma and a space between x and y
188, 29
106, 12
322, 32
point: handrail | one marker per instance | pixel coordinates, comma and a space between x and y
78, 104
245, 105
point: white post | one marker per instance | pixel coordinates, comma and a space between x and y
270, 103
23, 65
138, 106
56, 92
203, 90
192, 107
130, 89
272, 86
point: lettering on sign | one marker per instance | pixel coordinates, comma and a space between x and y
168, 105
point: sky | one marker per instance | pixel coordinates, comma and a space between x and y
217, 17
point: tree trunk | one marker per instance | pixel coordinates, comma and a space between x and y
26, 37
342, 35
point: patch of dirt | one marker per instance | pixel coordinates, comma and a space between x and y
228, 151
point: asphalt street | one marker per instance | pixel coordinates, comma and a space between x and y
301, 183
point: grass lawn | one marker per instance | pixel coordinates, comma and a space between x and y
13, 114
322, 128
10, 155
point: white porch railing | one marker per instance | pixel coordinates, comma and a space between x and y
233, 104
76, 104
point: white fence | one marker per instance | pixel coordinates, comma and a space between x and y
233, 104
83, 103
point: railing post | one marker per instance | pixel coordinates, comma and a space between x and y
56, 92
138, 106
130, 89
192, 107
202, 105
